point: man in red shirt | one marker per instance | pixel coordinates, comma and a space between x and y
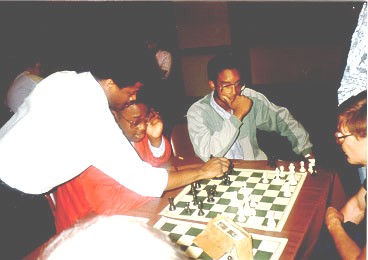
89, 191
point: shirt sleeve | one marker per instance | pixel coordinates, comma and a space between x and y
205, 140
270, 117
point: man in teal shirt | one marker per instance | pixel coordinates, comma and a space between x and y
225, 122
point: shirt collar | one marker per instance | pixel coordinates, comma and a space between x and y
222, 112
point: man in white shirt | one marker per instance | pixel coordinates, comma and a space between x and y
65, 125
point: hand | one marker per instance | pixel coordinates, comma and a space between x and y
154, 128
241, 105
333, 218
215, 167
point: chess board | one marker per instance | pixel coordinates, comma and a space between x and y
269, 198
183, 233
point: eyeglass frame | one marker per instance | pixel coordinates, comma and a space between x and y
241, 83
136, 123
341, 139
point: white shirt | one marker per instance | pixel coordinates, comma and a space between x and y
164, 61
63, 127
20, 88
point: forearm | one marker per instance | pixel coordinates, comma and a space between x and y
182, 178
345, 246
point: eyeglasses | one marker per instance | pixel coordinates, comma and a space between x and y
340, 138
240, 86
136, 123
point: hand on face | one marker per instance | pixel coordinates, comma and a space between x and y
155, 125
240, 105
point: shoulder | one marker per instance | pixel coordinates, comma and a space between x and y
202, 104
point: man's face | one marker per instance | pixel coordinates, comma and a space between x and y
228, 85
121, 98
133, 121
355, 148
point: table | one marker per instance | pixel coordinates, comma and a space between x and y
305, 219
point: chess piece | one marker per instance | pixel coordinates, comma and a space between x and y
292, 180
314, 171
264, 178
245, 192
291, 168
271, 223
241, 215
195, 199
172, 205
253, 202
302, 168
210, 195
286, 188
188, 211
277, 176
282, 171
200, 207
226, 180
234, 198
197, 185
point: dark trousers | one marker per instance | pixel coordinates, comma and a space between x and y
325, 247
26, 222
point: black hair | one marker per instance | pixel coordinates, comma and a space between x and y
123, 72
220, 63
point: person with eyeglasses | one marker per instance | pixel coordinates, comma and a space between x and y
143, 127
65, 127
225, 122
345, 232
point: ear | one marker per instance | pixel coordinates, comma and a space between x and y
212, 85
107, 83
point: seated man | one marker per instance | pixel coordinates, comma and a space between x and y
347, 227
88, 191
225, 122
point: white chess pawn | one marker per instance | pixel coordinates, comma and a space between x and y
234, 198
282, 171
241, 213
286, 188
277, 176
245, 192
253, 202
264, 178
247, 210
291, 168
271, 223
292, 180
302, 168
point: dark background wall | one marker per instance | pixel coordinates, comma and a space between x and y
293, 52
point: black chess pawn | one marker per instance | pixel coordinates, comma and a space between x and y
188, 211
172, 206
193, 189
197, 185
195, 199
314, 172
226, 180
200, 207
210, 195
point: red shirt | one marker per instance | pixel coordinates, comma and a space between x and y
94, 191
